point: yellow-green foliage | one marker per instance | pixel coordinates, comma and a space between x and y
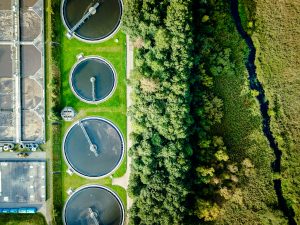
276, 35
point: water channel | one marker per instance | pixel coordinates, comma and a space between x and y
264, 107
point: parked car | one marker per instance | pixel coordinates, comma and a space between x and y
23, 154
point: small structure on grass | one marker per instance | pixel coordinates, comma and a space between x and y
68, 114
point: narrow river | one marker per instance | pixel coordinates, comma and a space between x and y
264, 106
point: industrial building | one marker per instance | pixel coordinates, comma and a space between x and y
22, 184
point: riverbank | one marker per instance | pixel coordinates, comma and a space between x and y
264, 109
276, 31
252, 198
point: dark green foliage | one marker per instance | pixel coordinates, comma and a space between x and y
55, 84
53, 52
171, 122
57, 176
161, 151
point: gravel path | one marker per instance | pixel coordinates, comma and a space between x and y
123, 181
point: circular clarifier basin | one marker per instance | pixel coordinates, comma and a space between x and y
91, 20
93, 80
93, 147
93, 205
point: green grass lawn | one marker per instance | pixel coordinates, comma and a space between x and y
114, 109
115, 53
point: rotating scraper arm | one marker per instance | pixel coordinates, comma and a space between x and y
93, 147
91, 11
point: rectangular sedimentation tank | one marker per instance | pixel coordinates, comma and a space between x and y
22, 102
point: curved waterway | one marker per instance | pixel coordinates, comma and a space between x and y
264, 106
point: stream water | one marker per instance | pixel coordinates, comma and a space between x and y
264, 107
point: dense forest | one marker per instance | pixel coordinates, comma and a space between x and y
199, 154
162, 120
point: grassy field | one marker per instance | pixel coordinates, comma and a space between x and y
276, 36
253, 200
23, 219
241, 127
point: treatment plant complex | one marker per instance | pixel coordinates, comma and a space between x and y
93, 147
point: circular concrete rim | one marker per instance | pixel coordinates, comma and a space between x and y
120, 160
96, 186
97, 40
114, 74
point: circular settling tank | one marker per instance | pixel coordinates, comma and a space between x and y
93, 80
93, 147
93, 205
91, 20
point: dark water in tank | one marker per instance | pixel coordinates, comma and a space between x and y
104, 82
108, 142
98, 26
101, 201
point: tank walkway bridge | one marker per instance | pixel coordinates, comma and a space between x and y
93, 80
91, 11
93, 147
16, 69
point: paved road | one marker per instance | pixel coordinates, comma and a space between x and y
14, 156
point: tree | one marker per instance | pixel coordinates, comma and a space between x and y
207, 211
